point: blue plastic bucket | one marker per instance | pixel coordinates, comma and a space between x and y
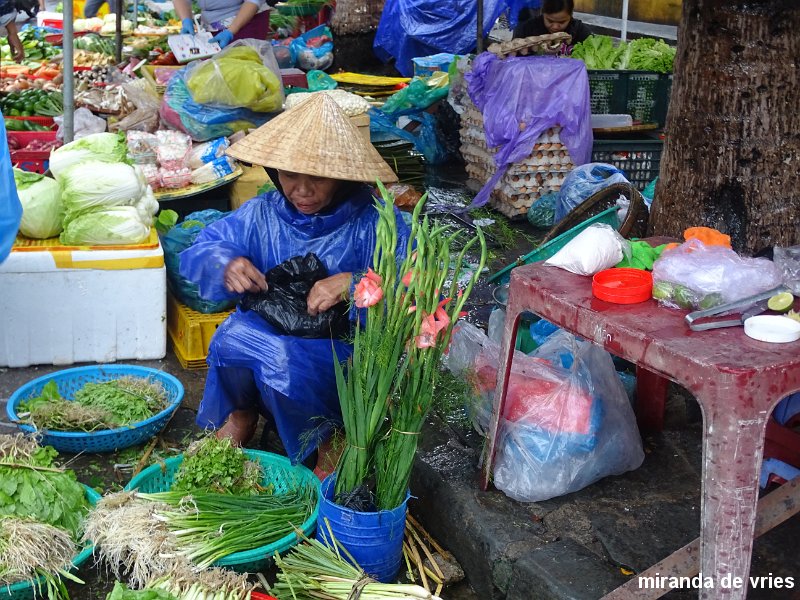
375, 539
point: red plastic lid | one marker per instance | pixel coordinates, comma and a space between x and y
622, 286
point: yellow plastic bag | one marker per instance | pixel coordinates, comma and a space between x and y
239, 76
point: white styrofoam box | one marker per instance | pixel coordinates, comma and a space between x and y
68, 306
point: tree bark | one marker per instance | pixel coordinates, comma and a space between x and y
731, 156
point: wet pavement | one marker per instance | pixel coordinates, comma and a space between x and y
577, 546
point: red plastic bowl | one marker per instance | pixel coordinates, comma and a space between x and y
622, 286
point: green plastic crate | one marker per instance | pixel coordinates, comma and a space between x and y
641, 94
640, 159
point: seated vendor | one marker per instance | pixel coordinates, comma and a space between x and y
323, 207
556, 17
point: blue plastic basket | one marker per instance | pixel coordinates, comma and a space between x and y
278, 472
26, 590
70, 381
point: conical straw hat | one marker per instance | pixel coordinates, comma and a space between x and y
315, 138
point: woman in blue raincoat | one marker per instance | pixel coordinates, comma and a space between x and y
321, 207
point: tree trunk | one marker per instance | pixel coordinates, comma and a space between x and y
732, 152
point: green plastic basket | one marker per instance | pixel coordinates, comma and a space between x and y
25, 590
278, 472
545, 251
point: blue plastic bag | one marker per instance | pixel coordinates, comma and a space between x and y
175, 241
413, 28
201, 121
583, 182
10, 207
542, 212
425, 139
520, 98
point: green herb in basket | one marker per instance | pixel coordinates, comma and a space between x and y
216, 465
96, 406
32, 486
212, 584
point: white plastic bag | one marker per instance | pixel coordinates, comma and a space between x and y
84, 123
697, 276
594, 249
567, 428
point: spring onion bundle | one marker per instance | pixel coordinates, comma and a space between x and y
212, 464
211, 584
29, 550
128, 537
102, 405
210, 526
313, 571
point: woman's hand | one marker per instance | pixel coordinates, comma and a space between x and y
328, 292
241, 276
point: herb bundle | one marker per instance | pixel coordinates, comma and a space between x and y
182, 583
96, 406
314, 571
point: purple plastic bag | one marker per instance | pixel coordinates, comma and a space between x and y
539, 91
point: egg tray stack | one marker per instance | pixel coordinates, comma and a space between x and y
524, 182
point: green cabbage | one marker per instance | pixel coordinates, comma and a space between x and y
111, 226
236, 78
42, 209
93, 185
103, 147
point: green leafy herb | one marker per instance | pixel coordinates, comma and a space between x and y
216, 465
166, 220
121, 592
104, 405
31, 486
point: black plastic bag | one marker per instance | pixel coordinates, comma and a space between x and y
284, 304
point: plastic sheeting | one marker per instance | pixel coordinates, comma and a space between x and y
521, 98
293, 378
414, 28
10, 207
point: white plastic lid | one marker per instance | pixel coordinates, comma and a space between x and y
772, 328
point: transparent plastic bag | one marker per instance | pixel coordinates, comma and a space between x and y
84, 123
568, 427
696, 276
244, 75
582, 183
145, 116
788, 261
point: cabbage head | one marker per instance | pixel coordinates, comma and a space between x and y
103, 147
96, 185
42, 209
237, 78
112, 226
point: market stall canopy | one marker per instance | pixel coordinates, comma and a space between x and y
314, 138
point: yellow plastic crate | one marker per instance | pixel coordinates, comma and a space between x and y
190, 332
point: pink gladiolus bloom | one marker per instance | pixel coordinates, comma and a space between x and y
373, 276
368, 291
407, 278
432, 325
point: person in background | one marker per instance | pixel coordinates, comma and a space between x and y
556, 17
229, 19
10, 207
8, 17
91, 8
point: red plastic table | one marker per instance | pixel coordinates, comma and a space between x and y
736, 380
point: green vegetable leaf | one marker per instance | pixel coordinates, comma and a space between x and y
166, 220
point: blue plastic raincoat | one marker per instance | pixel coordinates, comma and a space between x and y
10, 208
251, 364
